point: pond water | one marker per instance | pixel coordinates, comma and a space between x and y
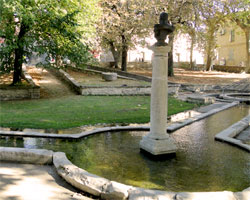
201, 163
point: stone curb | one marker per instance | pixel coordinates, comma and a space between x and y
105, 188
22, 155
29, 79
109, 90
228, 134
225, 195
199, 117
87, 182
230, 97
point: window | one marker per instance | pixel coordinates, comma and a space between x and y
232, 36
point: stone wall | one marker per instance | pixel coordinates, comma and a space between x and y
64, 76
30, 91
110, 91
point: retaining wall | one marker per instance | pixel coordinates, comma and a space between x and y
110, 90
30, 91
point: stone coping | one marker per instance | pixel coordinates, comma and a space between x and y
29, 79
172, 127
87, 90
231, 97
102, 187
228, 135
176, 126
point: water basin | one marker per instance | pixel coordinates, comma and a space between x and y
201, 163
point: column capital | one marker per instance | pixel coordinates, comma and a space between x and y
160, 50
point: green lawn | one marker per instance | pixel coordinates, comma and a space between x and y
76, 111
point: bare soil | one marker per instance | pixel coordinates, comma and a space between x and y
198, 77
52, 87
93, 79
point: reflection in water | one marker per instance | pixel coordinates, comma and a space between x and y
201, 163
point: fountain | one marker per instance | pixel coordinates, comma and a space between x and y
201, 164
158, 142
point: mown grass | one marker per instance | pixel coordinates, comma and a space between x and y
77, 111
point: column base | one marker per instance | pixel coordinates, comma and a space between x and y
158, 147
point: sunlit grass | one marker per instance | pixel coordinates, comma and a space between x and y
77, 111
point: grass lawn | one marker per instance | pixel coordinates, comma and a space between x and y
74, 111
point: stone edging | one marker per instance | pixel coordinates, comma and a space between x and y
31, 91
109, 90
199, 117
102, 187
121, 73
228, 134
230, 97
94, 90
29, 79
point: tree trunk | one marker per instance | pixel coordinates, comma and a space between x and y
115, 53
17, 66
191, 52
19, 54
124, 58
209, 62
170, 56
59, 61
209, 49
124, 54
247, 34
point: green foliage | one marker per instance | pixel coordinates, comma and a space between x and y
238, 12
55, 28
81, 110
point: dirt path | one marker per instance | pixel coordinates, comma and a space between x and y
51, 86
198, 77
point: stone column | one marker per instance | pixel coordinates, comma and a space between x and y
158, 142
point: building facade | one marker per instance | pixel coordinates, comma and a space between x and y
231, 49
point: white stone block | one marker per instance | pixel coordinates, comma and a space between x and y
158, 147
108, 76
21, 155
116, 191
206, 196
78, 177
145, 194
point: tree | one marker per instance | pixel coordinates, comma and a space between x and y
191, 26
124, 24
213, 16
52, 27
179, 14
238, 11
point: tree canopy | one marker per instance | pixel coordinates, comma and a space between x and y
125, 24
238, 11
55, 28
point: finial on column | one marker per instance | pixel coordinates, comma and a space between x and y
162, 29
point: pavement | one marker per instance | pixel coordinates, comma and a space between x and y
34, 182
